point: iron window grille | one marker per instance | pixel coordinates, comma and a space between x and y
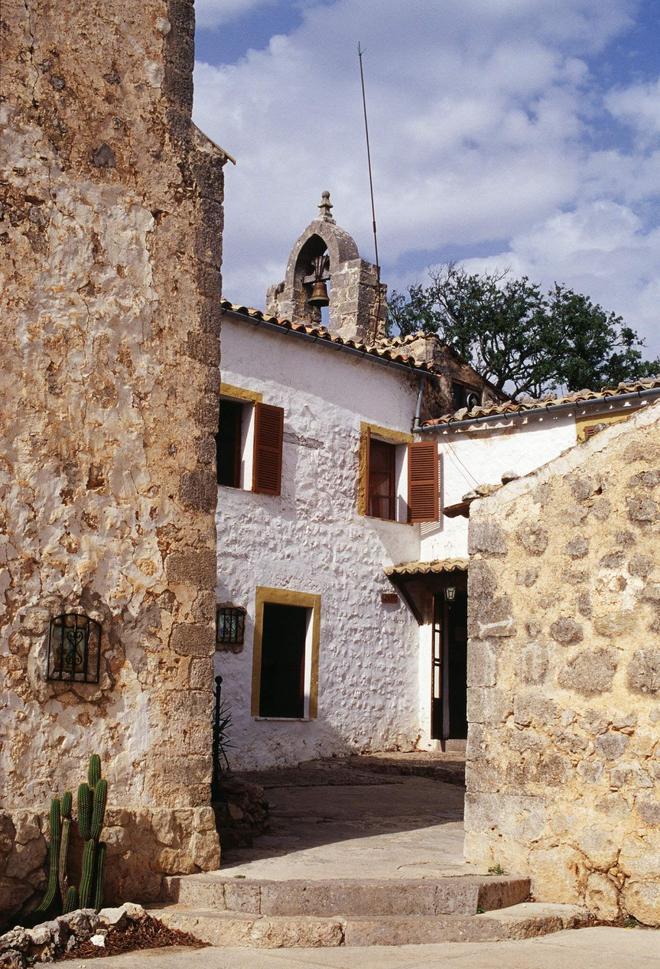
230, 625
74, 649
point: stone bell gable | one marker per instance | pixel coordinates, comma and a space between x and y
357, 303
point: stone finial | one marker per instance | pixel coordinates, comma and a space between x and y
325, 205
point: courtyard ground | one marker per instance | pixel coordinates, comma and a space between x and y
596, 948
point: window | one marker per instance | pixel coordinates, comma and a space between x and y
249, 442
399, 478
382, 480
285, 659
230, 626
465, 396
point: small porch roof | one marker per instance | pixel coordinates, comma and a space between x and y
417, 582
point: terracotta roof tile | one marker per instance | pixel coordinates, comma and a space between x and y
520, 406
425, 568
321, 333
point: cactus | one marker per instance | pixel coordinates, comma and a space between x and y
100, 872
66, 804
94, 771
84, 811
70, 900
87, 876
53, 856
63, 858
98, 811
91, 798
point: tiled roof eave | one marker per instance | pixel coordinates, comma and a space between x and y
435, 566
324, 336
647, 386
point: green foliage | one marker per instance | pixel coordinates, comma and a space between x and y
496, 870
100, 873
71, 902
84, 811
54, 818
67, 804
522, 340
87, 876
98, 811
94, 771
91, 813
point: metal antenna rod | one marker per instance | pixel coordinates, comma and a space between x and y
371, 192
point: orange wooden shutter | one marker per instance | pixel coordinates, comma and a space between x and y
423, 497
267, 463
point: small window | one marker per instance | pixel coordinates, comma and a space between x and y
382, 480
230, 626
464, 396
228, 443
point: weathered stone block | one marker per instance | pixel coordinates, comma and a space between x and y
644, 671
566, 630
486, 537
590, 672
612, 745
534, 663
533, 537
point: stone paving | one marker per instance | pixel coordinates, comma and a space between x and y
336, 820
596, 948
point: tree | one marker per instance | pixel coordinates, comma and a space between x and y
523, 340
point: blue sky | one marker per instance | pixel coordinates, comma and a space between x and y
505, 133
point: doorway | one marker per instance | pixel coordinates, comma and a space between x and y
449, 665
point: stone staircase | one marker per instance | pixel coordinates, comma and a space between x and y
224, 910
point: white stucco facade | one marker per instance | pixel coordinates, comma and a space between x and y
480, 454
374, 661
311, 539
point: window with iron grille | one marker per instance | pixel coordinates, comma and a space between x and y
74, 649
230, 626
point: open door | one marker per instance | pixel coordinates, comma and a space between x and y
449, 666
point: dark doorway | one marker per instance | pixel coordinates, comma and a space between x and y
228, 443
449, 666
284, 636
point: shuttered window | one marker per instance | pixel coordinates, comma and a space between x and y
382, 480
267, 464
423, 491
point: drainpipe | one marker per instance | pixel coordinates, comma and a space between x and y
418, 405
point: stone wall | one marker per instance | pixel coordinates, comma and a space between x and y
111, 229
563, 774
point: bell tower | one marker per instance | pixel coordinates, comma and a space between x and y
325, 269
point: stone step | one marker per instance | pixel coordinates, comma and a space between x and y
224, 928
451, 895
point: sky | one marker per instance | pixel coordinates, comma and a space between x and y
505, 134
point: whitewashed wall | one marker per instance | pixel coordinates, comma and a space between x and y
473, 457
311, 539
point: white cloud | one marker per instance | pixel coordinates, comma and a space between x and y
213, 13
477, 114
638, 106
600, 248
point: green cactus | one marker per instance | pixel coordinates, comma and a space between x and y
94, 771
70, 900
84, 811
87, 876
66, 804
53, 856
62, 878
98, 811
100, 872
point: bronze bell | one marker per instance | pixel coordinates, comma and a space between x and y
319, 294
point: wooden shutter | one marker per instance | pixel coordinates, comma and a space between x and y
267, 462
423, 497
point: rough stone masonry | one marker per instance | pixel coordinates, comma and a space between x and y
111, 229
563, 770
